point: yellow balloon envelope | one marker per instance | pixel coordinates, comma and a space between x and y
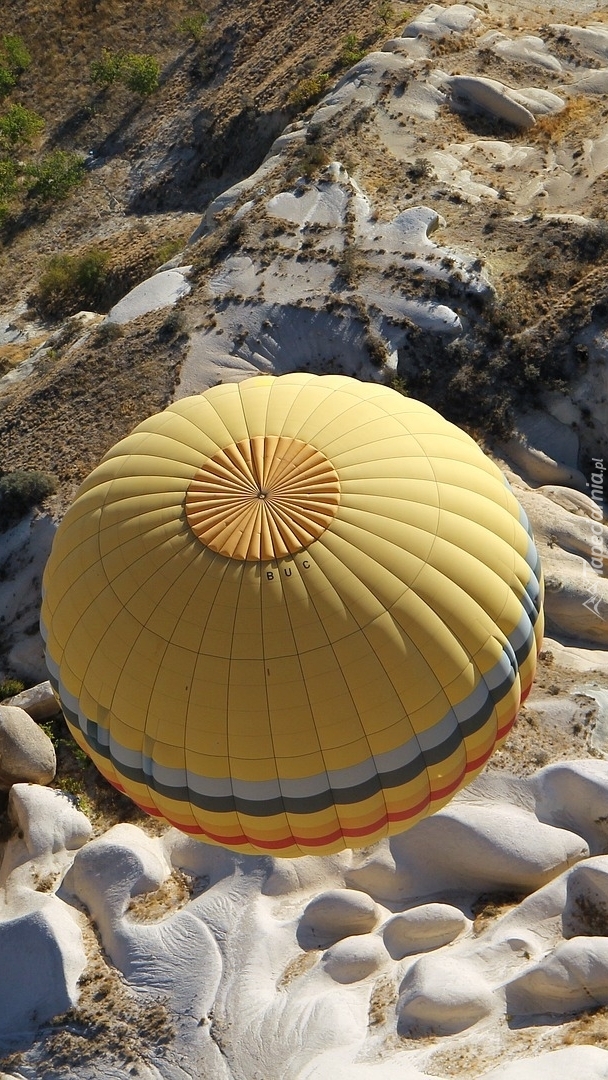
294, 614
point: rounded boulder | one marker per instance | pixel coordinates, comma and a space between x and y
27, 754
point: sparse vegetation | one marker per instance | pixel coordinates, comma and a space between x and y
10, 688
70, 282
19, 126
420, 169
14, 60
20, 491
139, 72
351, 52
308, 90
195, 26
52, 179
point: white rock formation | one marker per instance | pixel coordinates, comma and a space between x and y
334, 915
161, 290
571, 978
48, 819
38, 701
422, 928
442, 996
41, 959
26, 752
354, 958
469, 847
573, 1062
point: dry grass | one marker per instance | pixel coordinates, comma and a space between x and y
298, 966
589, 1029
172, 895
578, 114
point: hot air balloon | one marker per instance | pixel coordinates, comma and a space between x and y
294, 614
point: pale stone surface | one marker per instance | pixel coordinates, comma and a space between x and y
472, 847
573, 1062
159, 291
38, 701
336, 914
437, 22
574, 795
572, 543
586, 908
26, 752
41, 959
491, 97
443, 996
122, 863
354, 958
48, 819
571, 978
423, 928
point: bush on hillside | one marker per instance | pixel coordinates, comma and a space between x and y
71, 282
14, 60
20, 125
20, 491
351, 51
16, 54
195, 26
108, 69
308, 90
139, 72
55, 176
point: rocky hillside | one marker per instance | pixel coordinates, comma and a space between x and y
409, 193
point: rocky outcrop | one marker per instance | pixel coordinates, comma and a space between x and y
26, 752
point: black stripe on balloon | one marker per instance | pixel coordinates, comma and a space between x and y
310, 804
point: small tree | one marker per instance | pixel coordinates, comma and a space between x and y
16, 52
195, 26
54, 177
20, 125
351, 51
14, 60
20, 491
108, 69
141, 73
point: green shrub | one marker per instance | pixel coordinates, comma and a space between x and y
20, 125
141, 73
308, 89
195, 26
10, 688
7, 80
14, 60
54, 177
72, 281
108, 69
20, 491
16, 54
8, 178
351, 51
